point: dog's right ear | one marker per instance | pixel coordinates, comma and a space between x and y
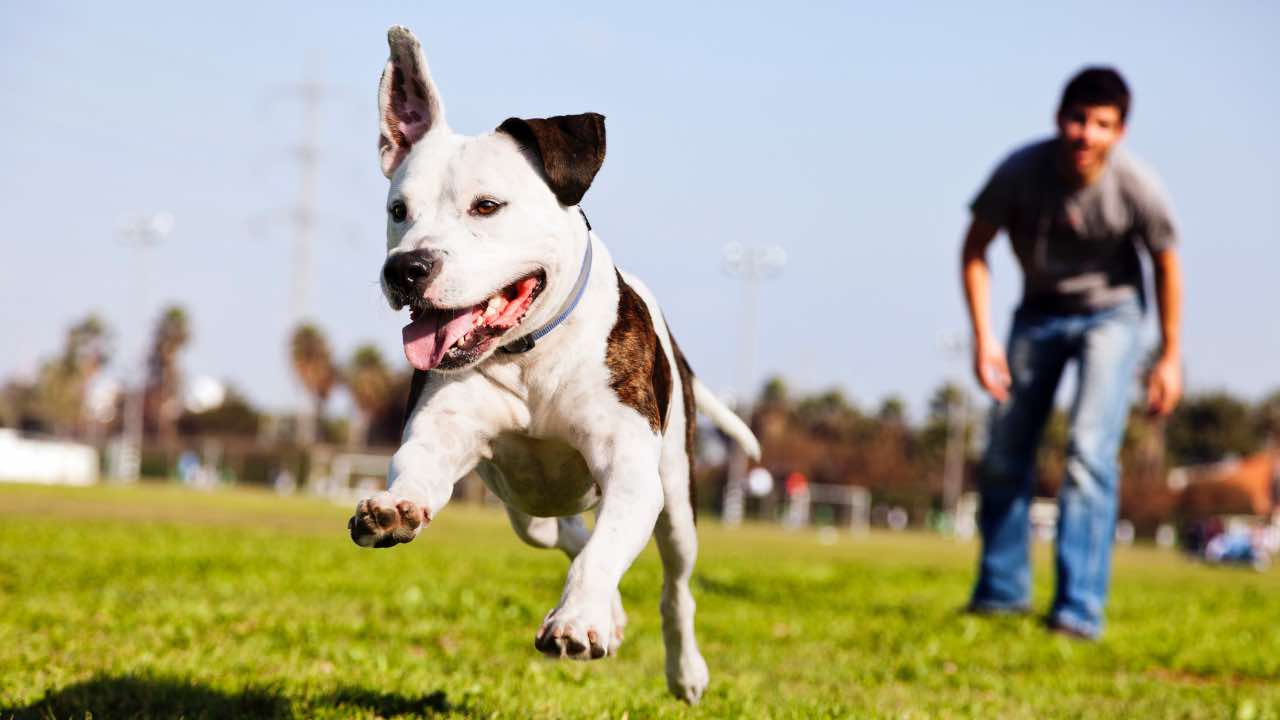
570, 148
408, 102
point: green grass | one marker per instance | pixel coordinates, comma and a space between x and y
156, 602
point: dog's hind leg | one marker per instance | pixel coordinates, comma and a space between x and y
567, 533
570, 535
677, 538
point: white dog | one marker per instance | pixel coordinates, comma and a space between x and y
538, 364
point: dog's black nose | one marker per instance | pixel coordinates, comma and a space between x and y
404, 271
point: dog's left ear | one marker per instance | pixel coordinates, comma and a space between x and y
408, 103
571, 148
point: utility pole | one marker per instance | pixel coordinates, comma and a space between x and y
752, 265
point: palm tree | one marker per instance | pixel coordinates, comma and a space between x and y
369, 382
313, 361
89, 341
164, 381
59, 394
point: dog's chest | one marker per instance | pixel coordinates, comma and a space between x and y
539, 477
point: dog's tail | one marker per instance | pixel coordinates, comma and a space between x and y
725, 419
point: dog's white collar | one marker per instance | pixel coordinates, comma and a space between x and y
526, 343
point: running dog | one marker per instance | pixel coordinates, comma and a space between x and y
538, 364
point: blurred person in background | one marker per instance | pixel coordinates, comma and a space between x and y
1078, 210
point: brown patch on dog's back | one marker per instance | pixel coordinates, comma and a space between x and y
638, 369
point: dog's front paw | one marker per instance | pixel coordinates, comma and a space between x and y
382, 521
579, 630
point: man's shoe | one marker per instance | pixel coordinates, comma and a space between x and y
1058, 627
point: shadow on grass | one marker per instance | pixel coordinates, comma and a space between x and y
732, 587
148, 697
143, 697
391, 704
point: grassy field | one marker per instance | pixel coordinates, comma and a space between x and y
157, 602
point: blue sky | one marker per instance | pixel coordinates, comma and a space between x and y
852, 136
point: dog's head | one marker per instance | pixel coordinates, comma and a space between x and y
480, 230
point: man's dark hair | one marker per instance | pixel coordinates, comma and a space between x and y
1096, 86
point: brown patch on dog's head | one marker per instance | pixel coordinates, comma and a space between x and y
570, 148
638, 369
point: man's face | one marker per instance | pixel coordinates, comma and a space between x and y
1088, 133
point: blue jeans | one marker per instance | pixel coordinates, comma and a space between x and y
1106, 346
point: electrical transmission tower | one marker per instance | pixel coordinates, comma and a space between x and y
311, 94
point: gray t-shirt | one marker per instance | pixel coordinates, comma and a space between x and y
1078, 248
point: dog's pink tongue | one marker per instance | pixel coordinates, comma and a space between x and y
428, 338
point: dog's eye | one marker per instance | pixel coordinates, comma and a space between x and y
398, 211
485, 206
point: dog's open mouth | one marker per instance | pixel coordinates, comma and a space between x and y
450, 338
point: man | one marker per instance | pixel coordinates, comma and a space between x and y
1077, 210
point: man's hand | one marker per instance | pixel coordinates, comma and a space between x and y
991, 369
989, 364
1164, 386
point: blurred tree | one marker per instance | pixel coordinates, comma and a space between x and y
945, 442
888, 457
1145, 496
163, 393
893, 410
1267, 419
1051, 455
59, 396
936, 429
770, 416
830, 415
313, 362
17, 404
944, 398
235, 416
370, 384
1208, 427
774, 393
386, 427
89, 342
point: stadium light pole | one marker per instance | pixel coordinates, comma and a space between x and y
751, 265
142, 231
